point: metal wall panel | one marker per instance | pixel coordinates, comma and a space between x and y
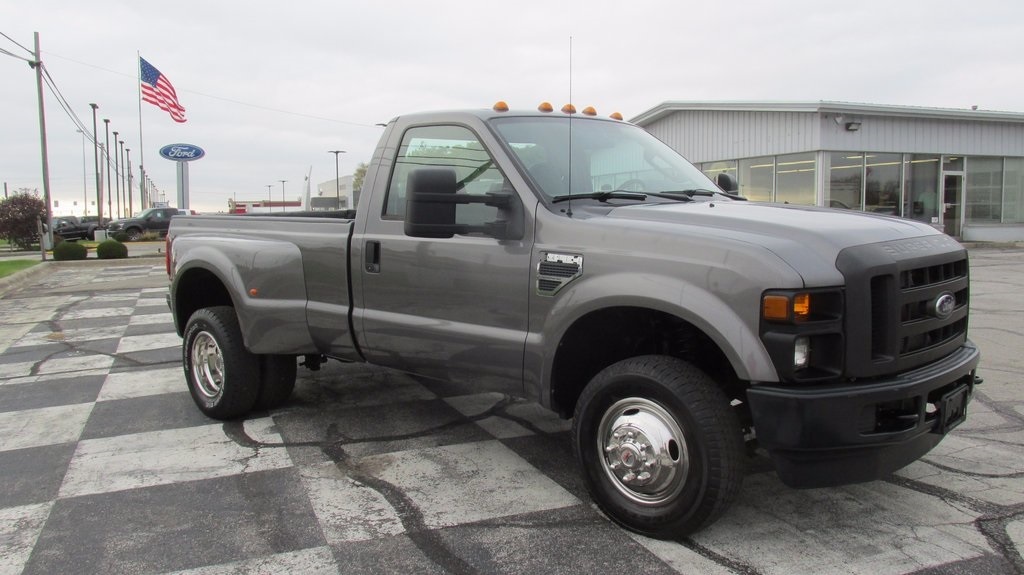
703, 136
709, 135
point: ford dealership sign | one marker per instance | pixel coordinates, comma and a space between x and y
182, 152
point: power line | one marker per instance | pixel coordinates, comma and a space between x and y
15, 42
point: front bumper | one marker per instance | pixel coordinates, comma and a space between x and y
838, 434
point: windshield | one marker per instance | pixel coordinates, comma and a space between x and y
605, 157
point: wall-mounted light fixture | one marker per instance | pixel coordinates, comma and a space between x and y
852, 126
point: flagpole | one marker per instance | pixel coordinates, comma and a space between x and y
142, 148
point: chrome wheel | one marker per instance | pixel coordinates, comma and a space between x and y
644, 451
207, 365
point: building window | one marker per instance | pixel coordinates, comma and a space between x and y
882, 183
712, 169
794, 179
984, 191
757, 177
922, 186
1013, 191
845, 180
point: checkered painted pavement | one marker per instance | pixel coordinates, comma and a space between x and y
106, 466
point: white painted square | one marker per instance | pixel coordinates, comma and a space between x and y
348, 510
75, 364
170, 456
474, 406
19, 529
151, 318
141, 383
162, 270
51, 376
44, 426
313, 561
12, 333
872, 528
457, 484
9, 370
32, 310
77, 335
97, 313
148, 342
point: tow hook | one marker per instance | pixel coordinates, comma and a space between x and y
312, 362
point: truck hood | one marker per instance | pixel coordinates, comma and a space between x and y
808, 238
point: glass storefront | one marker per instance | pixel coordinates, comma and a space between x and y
947, 191
794, 179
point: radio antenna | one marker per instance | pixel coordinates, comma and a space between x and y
568, 210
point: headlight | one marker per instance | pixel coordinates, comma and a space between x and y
803, 333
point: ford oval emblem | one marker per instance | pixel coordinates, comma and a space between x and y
944, 305
182, 152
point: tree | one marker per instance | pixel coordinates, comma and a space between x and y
358, 176
18, 215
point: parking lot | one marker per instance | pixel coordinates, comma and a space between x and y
106, 466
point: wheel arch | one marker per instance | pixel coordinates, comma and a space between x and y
605, 336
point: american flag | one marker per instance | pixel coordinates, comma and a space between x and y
157, 90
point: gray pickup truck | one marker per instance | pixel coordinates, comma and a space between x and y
581, 263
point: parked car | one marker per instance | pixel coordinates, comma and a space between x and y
73, 228
153, 220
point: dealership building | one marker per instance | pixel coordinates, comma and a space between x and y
960, 170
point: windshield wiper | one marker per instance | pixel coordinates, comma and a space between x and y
709, 193
602, 196
620, 195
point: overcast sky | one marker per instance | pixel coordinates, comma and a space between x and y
269, 87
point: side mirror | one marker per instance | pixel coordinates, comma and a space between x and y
431, 200
726, 182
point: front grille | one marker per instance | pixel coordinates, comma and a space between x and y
896, 291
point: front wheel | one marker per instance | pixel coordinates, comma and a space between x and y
223, 377
661, 448
134, 234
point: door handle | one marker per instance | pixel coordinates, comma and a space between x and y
372, 257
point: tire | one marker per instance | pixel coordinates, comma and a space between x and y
277, 380
134, 234
223, 377
661, 417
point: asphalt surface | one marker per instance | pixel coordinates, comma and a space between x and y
106, 466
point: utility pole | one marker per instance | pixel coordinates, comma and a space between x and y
282, 194
125, 196
270, 200
96, 161
38, 65
337, 175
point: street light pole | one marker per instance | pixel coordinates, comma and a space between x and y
270, 200
128, 178
96, 156
282, 194
85, 185
110, 206
124, 181
117, 176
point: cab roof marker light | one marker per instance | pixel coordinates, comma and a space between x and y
568, 109
616, 116
545, 107
589, 111
500, 106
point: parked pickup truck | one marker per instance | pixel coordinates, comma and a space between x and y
73, 228
583, 264
150, 221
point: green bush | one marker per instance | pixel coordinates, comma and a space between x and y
121, 237
66, 251
111, 250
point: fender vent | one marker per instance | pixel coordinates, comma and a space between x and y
556, 270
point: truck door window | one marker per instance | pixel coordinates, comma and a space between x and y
449, 147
